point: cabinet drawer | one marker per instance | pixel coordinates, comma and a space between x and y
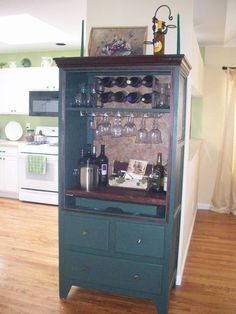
139, 239
85, 232
110, 272
8, 151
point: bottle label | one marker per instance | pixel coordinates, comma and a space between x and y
104, 169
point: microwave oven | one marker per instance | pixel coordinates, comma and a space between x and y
43, 103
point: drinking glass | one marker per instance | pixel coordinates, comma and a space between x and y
104, 127
142, 133
117, 128
130, 128
154, 135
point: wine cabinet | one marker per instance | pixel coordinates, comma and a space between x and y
122, 240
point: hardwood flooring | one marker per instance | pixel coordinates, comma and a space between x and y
29, 268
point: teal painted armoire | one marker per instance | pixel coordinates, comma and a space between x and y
122, 240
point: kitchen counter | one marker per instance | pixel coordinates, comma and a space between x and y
5, 142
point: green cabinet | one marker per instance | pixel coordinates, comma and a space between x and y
116, 239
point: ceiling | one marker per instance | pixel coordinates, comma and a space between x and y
214, 23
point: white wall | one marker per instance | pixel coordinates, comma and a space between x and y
213, 109
139, 13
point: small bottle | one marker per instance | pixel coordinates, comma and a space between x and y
134, 81
121, 81
147, 98
119, 96
134, 97
102, 162
147, 81
88, 153
82, 160
158, 175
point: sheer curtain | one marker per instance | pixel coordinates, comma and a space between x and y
224, 196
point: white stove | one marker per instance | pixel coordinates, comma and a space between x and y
38, 176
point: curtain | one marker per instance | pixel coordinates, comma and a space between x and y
224, 195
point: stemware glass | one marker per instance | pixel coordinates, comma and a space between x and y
154, 135
104, 127
117, 128
142, 133
130, 128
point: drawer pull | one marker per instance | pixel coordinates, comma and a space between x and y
139, 241
136, 276
84, 233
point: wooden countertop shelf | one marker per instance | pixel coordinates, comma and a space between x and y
122, 194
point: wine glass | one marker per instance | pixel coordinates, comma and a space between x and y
142, 133
154, 135
104, 127
130, 128
117, 128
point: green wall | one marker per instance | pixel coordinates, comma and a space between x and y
35, 58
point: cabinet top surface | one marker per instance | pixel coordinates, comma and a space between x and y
78, 63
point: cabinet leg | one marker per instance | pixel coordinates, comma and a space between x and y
64, 290
162, 307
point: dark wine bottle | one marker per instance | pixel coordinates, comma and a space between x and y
121, 81
102, 162
147, 81
106, 97
107, 81
147, 98
134, 97
119, 96
134, 81
158, 175
88, 153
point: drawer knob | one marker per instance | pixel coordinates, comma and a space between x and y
84, 233
139, 241
136, 276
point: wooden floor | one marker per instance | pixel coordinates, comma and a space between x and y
29, 268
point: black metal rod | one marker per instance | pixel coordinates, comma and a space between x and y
225, 68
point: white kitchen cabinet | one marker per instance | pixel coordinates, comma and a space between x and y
15, 84
9, 171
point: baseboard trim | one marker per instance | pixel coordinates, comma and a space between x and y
204, 206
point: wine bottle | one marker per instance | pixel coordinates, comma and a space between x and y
121, 81
134, 97
119, 96
158, 175
134, 81
106, 97
93, 158
147, 81
107, 81
102, 162
147, 98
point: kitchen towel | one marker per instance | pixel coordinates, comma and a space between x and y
36, 164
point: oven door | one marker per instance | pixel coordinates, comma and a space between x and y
39, 182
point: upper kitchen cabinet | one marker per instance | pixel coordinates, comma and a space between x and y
16, 83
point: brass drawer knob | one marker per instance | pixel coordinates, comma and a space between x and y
139, 241
136, 276
84, 233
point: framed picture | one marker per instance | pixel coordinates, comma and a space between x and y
136, 169
117, 41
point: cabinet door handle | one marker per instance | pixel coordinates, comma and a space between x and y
84, 233
139, 241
